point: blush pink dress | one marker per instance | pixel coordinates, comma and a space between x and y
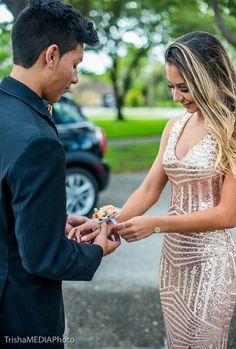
198, 274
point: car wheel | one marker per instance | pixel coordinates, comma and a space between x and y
82, 191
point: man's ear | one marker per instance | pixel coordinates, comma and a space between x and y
52, 55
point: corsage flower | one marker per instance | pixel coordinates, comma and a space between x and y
105, 214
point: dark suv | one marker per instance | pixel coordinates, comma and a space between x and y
85, 144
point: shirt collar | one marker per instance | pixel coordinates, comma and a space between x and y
18, 90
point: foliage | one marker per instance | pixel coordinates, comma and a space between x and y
184, 20
225, 14
134, 98
128, 29
5, 52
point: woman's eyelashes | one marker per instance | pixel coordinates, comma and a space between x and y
185, 90
182, 89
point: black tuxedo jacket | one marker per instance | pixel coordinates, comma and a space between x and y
35, 254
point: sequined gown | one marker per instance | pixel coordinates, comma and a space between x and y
197, 279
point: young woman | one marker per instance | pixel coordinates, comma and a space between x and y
198, 156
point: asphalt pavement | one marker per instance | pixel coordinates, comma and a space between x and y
120, 308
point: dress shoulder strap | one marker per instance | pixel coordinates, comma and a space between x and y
176, 130
178, 126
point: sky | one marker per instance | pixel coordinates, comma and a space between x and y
5, 15
95, 62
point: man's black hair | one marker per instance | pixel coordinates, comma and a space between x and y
47, 22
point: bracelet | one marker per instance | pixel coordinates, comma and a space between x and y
105, 213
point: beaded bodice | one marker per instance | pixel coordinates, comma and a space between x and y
195, 183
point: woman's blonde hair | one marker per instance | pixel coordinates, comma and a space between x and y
211, 79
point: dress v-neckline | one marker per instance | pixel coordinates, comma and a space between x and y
179, 136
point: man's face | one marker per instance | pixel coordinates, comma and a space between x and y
63, 74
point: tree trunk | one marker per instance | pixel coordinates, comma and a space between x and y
119, 99
119, 107
219, 21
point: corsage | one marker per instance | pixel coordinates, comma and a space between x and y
106, 214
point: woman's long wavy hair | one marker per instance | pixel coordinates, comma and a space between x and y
211, 79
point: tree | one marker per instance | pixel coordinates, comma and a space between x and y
153, 23
221, 10
126, 28
182, 20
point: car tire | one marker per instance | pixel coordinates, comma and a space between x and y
82, 191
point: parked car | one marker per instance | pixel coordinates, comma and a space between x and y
87, 172
108, 101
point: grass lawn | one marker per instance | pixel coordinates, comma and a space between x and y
131, 128
134, 157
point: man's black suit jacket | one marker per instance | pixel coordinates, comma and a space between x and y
35, 254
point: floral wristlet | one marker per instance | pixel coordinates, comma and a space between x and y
106, 214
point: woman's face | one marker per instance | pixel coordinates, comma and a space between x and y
179, 89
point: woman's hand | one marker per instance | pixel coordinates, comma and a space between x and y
85, 232
136, 228
73, 221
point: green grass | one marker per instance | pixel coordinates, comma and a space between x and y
131, 128
134, 157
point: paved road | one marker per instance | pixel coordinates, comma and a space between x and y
120, 308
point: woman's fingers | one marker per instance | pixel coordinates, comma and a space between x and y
123, 228
74, 221
86, 228
90, 237
74, 234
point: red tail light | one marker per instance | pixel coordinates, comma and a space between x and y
103, 142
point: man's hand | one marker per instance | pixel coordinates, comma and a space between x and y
107, 243
77, 226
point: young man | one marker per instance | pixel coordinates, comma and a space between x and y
35, 254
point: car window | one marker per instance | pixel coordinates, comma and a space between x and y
66, 112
